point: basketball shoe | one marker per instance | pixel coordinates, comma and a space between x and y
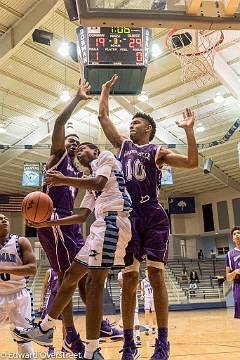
109, 331
161, 351
129, 353
74, 347
35, 334
51, 351
96, 355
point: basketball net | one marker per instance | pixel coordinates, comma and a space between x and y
196, 50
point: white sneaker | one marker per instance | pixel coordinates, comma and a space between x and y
35, 334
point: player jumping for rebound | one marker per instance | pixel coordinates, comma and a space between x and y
142, 164
104, 248
16, 262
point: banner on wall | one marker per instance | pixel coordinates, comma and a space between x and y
167, 175
31, 174
181, 205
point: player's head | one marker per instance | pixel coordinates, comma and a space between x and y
4, 226
235, 232
142, 126
71, 143
86, 153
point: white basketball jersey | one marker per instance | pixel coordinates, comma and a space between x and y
148, 291
114, 196
10, 255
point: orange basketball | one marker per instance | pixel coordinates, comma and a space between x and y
37, 207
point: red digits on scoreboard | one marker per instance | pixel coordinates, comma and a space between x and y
135, 42
139, 57
100, 41
139, 42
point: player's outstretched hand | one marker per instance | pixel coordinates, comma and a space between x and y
237, 271
84, 87
110, 82
54, 178
188, 119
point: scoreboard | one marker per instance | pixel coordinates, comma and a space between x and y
105, 51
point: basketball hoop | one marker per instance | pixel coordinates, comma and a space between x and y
196, 50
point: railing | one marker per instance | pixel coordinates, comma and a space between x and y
172, 284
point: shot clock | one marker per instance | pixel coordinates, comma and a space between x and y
105, 51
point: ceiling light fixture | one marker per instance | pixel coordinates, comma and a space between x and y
218, 98
156, 50
65, 96
200, 129
63, 49
142, 97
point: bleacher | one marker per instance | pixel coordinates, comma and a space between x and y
37, 285
208, 287
178, 290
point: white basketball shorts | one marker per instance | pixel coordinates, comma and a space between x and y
16, 308
149, 303
105, 247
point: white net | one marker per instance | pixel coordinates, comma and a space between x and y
196, 50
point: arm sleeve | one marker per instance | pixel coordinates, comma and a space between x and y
105, 164
88, 201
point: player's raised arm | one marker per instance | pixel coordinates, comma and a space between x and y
58, 136
177, 160
109, 129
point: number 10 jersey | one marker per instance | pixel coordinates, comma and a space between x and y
143, 178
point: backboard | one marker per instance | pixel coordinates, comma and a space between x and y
195, 14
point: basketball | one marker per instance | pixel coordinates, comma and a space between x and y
37, 207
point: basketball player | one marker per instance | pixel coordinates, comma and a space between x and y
149, 309
50, 283
62, 243
233, 269
104, 248
16, 261
136, 317
142, 164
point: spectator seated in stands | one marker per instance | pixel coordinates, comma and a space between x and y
184, 274
220, 278
194, 280
200, 255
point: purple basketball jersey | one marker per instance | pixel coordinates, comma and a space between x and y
62, 243
63, 197
141, 173
150, 225
233, 262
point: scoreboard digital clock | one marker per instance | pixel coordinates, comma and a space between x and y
105, 51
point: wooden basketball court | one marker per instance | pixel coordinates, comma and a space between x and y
194, 335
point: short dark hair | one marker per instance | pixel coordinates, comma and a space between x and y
150, 120
75, 135
91, 146
235, 228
